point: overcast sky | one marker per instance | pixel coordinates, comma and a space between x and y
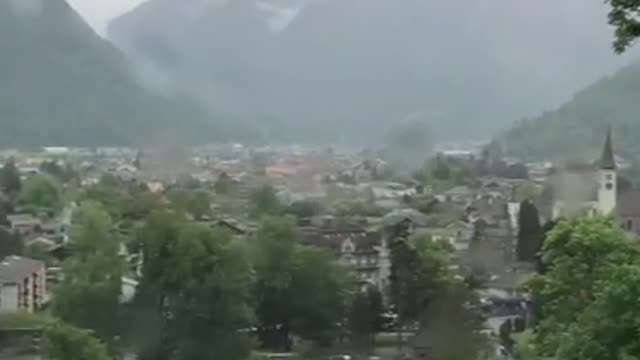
99, 12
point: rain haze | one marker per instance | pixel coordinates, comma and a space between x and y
319, 179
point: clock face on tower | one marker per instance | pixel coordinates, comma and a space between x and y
608, 186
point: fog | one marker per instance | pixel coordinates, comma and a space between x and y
26, 7
327, 68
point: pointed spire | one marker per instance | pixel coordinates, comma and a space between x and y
608, 161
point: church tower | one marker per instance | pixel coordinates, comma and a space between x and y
607, 177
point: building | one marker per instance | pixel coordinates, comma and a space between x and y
22, 284
25, 225
492, 238
587, 188
358, 248
628, 211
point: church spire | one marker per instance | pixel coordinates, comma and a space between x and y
608, 161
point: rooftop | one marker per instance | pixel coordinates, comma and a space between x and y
629, 204
608, 161
16, 268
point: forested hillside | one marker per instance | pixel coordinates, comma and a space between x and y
577, 128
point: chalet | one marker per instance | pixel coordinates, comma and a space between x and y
356, 247
491, 244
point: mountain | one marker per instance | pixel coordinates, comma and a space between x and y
576, 129
62, 84
331, 67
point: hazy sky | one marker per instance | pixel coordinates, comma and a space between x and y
99, 12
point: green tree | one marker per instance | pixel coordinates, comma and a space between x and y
54, 169
451, 326
180, 199
10, 244
300, 290
196, 203
65, 342
274, 254
304, 209
10, 178
516, 171
149, 315
587, 293
200, 204
111, 198
420, 271
194, 299
365, 316
89, 293
264, 201
623, 17
530, 234
138, 202
441, 169
224, 184
110, 180
321, 293
402, 287
41, 191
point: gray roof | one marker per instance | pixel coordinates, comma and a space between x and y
15, 268
608, 161
459, 190
22, 219
399, 215
629, 204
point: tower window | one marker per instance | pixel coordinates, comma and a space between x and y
609, 186
609, 177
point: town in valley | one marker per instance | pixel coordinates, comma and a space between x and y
474, 216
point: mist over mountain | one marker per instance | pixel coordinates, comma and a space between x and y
62, 84
576, 129
330, 67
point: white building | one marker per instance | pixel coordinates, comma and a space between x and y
590, 189
23, 284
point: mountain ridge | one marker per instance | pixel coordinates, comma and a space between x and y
65, 85
342, 65
576, 128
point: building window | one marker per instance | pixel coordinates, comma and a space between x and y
629, 225
609, 177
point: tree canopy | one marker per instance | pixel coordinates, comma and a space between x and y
588, 292
10, 178
66, 342
89, 293
264, 201
300, 290
530, 235
194, 299
419, 273
623, 16
41, 192
196, 203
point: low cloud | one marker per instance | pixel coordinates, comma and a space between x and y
26, 7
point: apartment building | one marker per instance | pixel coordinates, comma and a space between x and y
22, 284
